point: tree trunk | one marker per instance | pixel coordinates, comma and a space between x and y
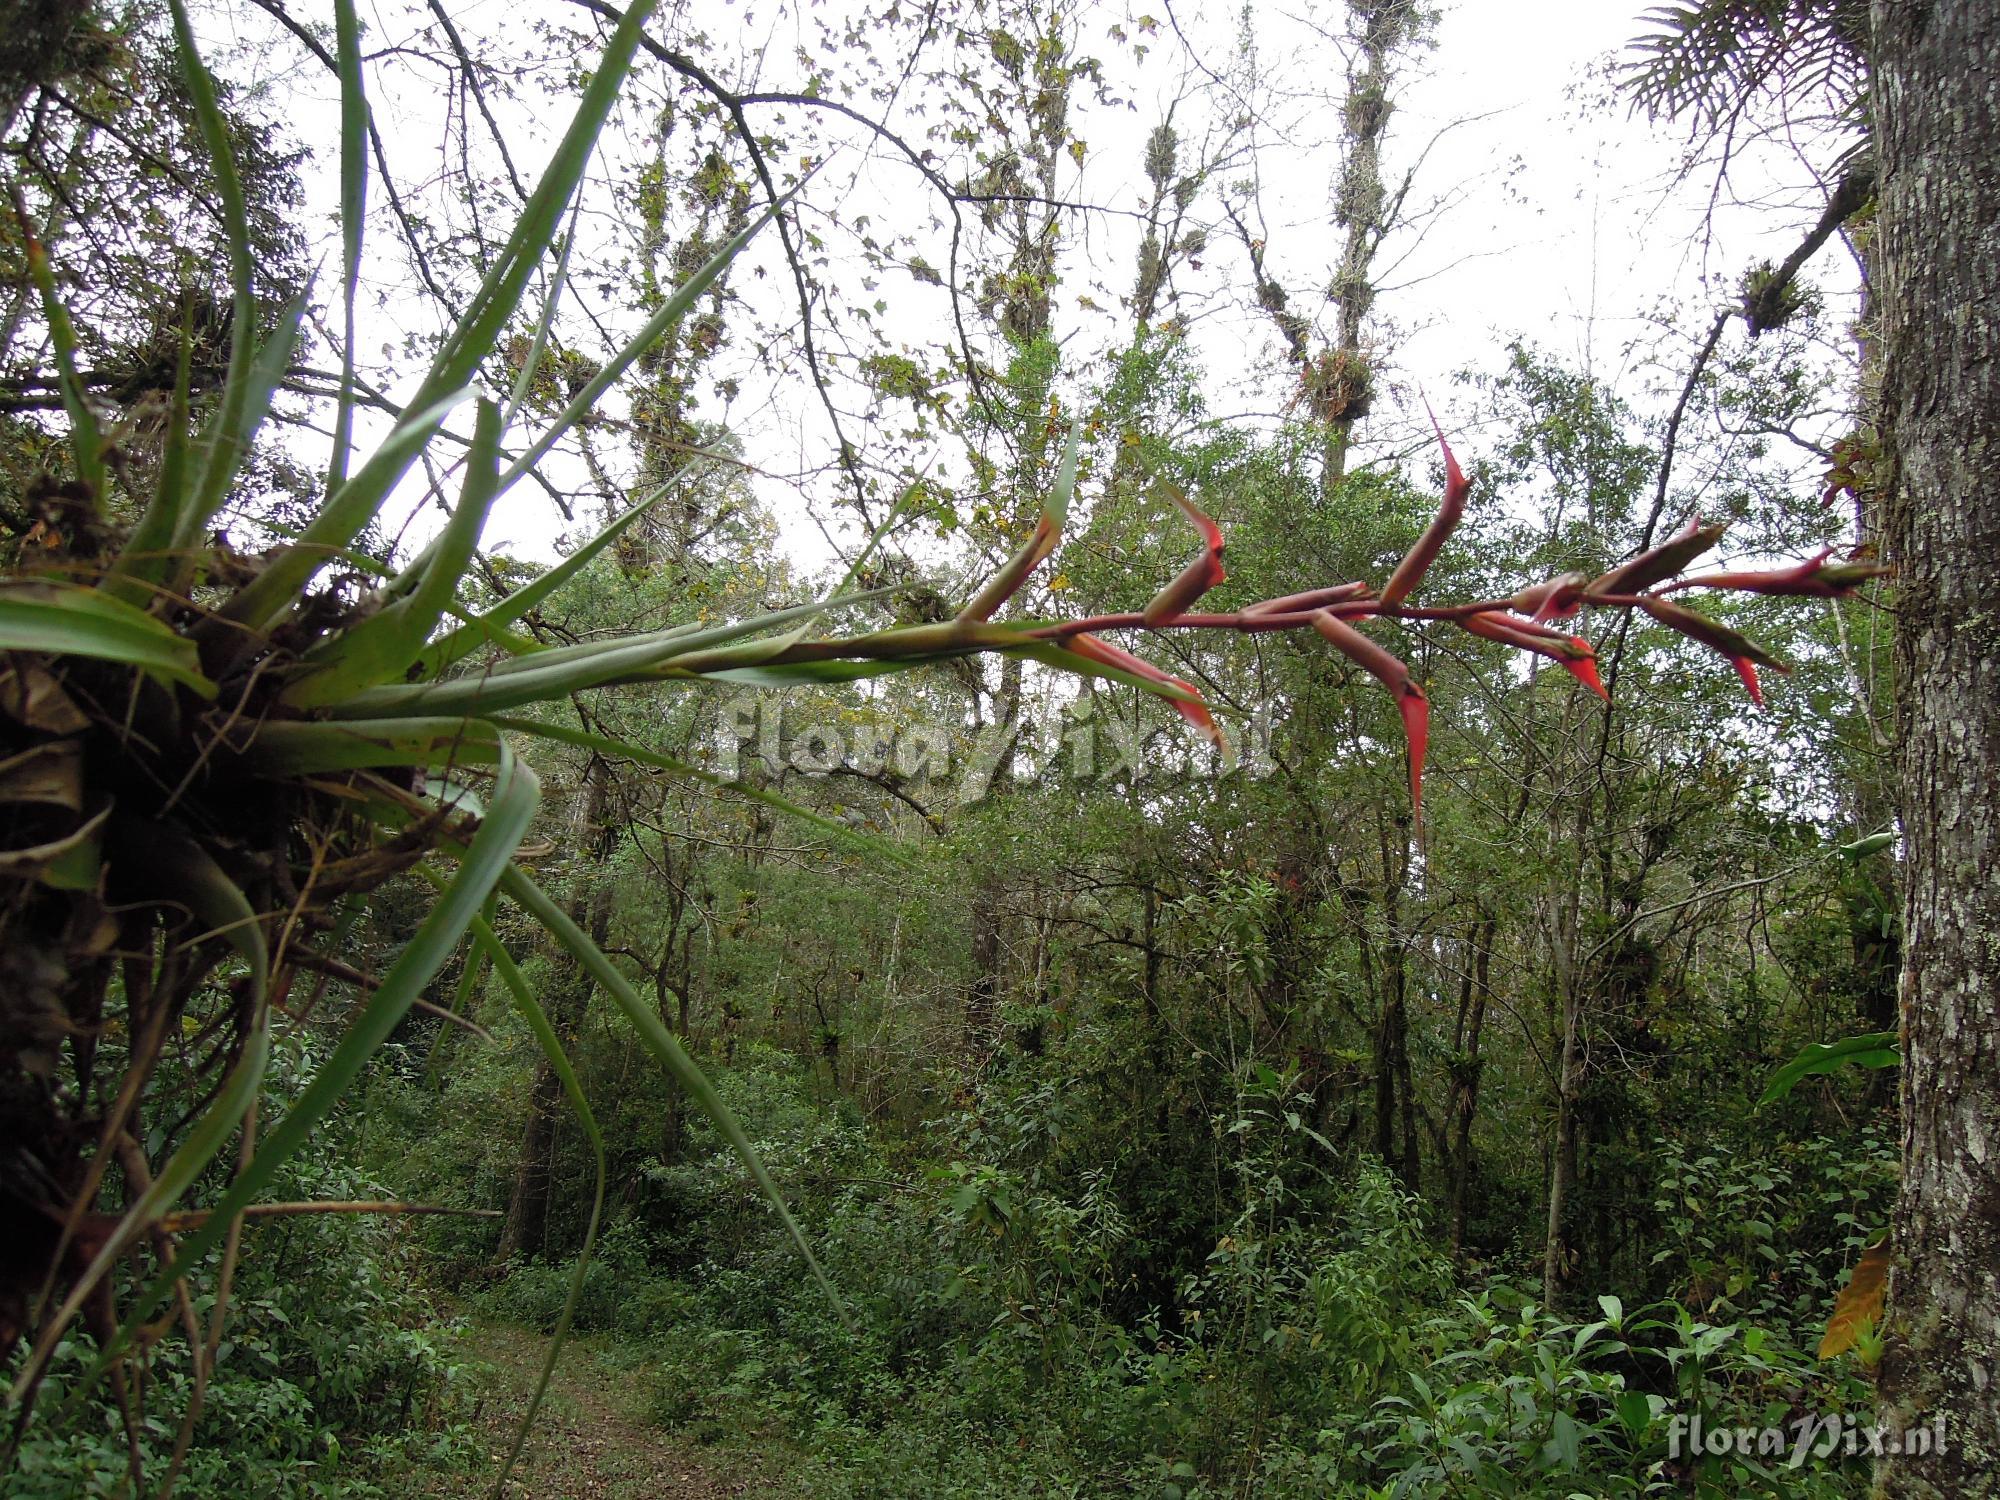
989, 896
1341, 383
1390, 1039
526, 1229
1937, 111
1388, 979
1410, 1165
1463, 1108
1395, 1101
1562, 1173
1562, 1163
673, 1120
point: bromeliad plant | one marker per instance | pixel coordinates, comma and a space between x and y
207, 766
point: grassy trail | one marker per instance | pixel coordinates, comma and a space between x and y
593, 1438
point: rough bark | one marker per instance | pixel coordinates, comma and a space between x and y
674, 980
1395, 1091
1410, 1165
1391, 1037
1937, 109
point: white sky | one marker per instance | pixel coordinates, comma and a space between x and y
1567, 224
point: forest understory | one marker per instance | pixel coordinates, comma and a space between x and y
646, 850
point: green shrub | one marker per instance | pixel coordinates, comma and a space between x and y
334, 1362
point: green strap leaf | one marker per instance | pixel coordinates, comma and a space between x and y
499, 296
792, 673
64, 619
551, 300
583, 739
547, 675
236, 390
353, 219
148, 555
457, 365
69, 863
488, 625
1004, 584
1875, 843
656, 328
235, 427
346, 512
313, 746
86, 441
903, 503
382, 646
545, 1037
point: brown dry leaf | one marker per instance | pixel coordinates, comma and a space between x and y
1859, 1305
50, 773
30, 693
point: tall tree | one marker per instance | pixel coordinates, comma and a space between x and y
1937, 115
1934, 118
1336, 381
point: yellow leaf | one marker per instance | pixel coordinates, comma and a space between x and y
1859, 1305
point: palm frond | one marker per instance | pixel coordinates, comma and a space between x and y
1706, 59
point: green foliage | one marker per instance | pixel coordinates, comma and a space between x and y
1710, 58
337, 1366
622, 1290
1321, 1347
1876, 1049
1763, 1232
1517, 1402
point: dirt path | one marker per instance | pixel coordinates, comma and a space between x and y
592, 1439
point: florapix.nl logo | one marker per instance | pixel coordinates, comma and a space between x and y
1812, 1435
1089, 738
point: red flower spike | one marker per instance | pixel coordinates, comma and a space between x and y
1007, 582
1812, 577
1584, 670
1091, 648
1572, 653
1340, 593
1662, 562
1744, 654
1395, 676
1555, 599
1416, 711
1416, 562
1197, 578
1747, 670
